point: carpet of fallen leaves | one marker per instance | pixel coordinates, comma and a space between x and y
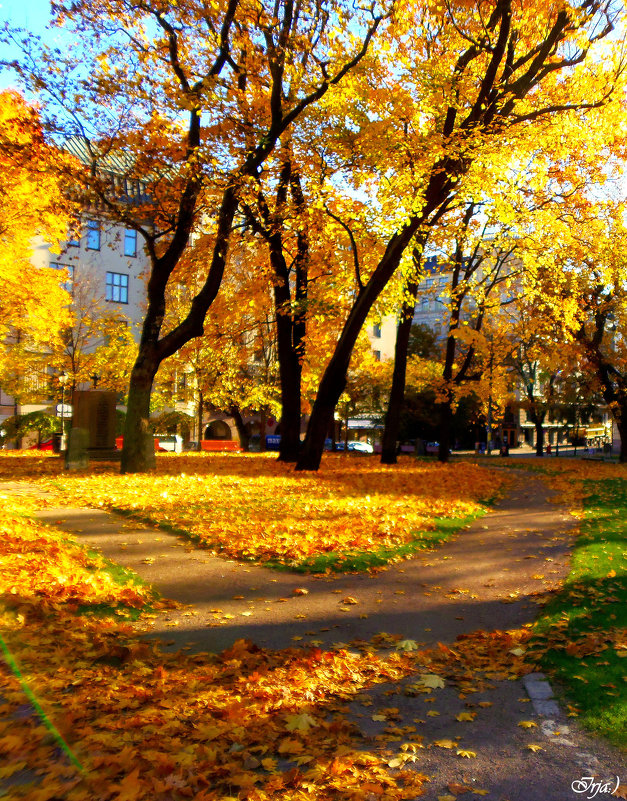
246, 724
253, 507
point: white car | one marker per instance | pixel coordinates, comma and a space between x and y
360, 447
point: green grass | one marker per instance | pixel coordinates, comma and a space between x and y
121, 576
363, 561
348, 562
585, 624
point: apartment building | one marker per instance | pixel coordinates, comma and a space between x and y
104, 269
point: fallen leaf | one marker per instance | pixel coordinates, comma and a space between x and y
302, 722
444, 743
407, 645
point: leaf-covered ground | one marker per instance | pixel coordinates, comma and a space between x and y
140, 723
251, 723
354, 513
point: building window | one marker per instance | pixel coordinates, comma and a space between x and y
69, 284
93, 235
377, 355
117, 288
376, 330
73, 241
130, 242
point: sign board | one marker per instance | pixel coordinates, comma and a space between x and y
64, 410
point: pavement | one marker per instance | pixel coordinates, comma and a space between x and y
491, 576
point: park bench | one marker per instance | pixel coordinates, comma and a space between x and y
220, 445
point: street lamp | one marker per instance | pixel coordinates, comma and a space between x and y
63, 379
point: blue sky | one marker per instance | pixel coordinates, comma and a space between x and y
32, 15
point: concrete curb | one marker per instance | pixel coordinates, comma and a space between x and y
541, 694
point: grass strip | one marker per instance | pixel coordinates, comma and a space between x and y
364, 561
583, 631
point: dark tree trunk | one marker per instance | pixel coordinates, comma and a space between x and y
539, 424
152, 349
397, 392
334, 378
263, 425
290, 294
138, 453
290, 378
244, 437
622, 430
199, 414
445, 430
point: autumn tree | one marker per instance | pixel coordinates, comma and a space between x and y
33, 304
98, 344
181, 109
232, 366
486, 75
589, 302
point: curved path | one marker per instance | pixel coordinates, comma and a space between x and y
490, 576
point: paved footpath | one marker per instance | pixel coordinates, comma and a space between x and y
491, 576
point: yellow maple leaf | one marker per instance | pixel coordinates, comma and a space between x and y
445, 743
534, 747
465, 716
467, 754
407, 645
302, 722
528, 724
431, 680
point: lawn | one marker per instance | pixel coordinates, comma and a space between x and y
583, 631
354, 514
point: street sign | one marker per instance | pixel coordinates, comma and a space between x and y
64, 410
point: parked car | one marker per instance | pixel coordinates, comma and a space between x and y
434, 448
360, 447
170, 442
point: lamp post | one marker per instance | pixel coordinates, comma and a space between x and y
63, 379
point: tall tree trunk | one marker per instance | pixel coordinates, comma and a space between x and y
244, 436
290, 378
539, 438
199, 415
263, 425
334, 378
138, 453
621, 423
445, 429
397, 392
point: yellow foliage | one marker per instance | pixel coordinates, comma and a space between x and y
253, 507
31, 204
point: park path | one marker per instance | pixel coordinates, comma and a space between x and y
490, 576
